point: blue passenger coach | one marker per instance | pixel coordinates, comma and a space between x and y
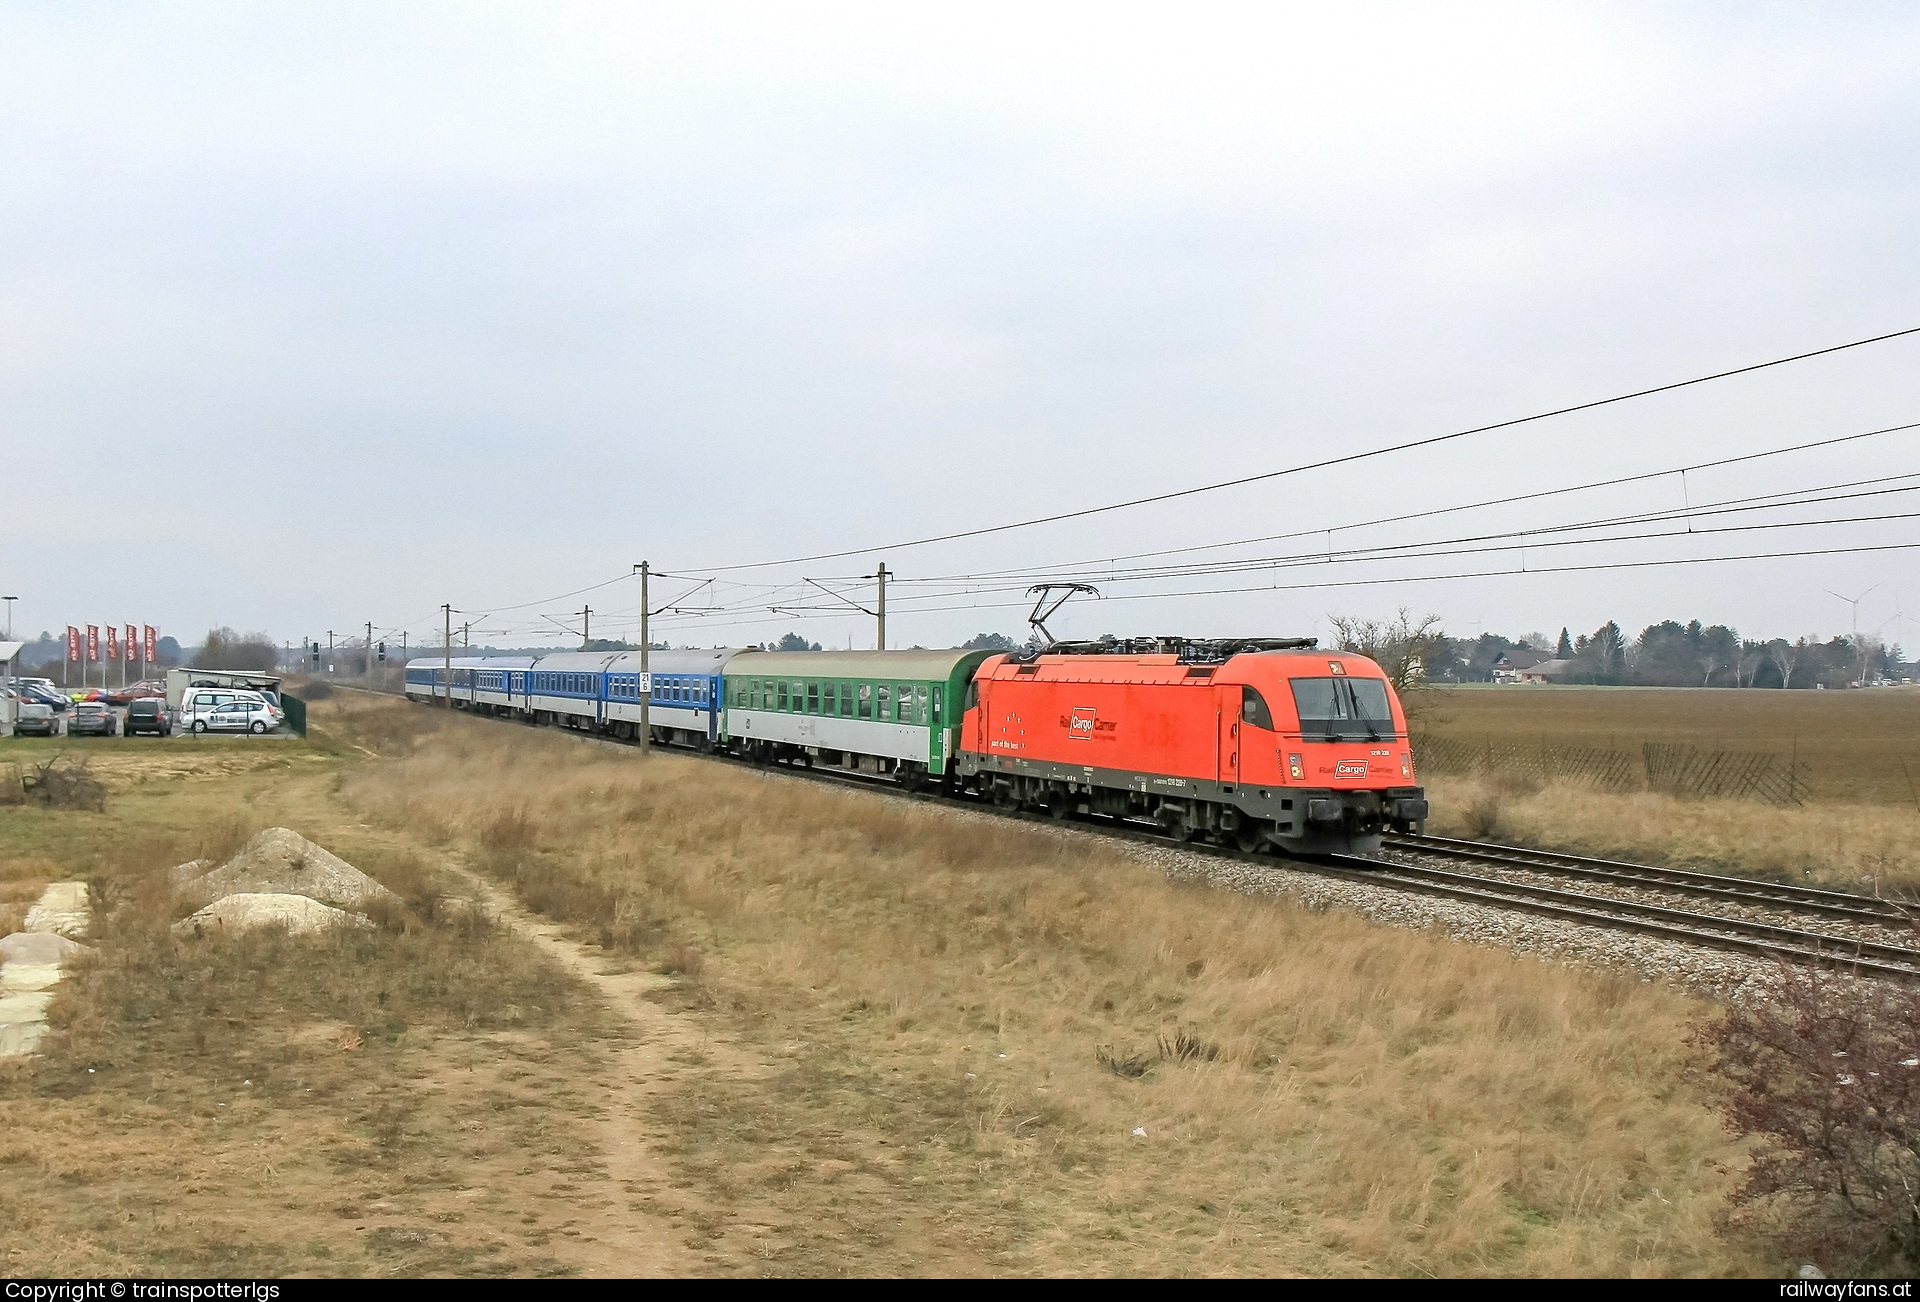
686, 702
475, 680
598, 691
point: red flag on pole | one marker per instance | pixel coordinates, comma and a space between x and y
73, 644
150, 640
93, 642
131, 647
113, 642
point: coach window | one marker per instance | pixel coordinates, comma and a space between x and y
920, 703
866, 700
813, 698
783, 693
936, 707
885, 713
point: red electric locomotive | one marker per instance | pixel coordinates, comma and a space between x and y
1257, 741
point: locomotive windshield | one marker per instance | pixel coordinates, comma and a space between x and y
1344, 709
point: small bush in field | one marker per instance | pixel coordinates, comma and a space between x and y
1829, 1078
1481, 819
65, 783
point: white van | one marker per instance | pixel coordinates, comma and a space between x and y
198, 704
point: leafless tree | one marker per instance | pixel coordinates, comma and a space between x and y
1401, 646
1866, 647
1787, 657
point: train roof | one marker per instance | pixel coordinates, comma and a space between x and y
471, 662
922, 665
591, 662
689, 660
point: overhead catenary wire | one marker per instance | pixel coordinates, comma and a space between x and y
1344, 459
1533, 537
1511, 500
711, 576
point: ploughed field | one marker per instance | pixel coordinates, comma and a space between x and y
1852, 744
734, 1022
1631, 773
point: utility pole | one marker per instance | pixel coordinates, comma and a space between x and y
880, 608
369, 673
9, 601
646, 674
329, 651
446, 648
403, 648
586, 628
466, 637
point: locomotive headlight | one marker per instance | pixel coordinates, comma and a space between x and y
1406, 764
1297, 768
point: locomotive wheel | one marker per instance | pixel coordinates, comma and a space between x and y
1248, 837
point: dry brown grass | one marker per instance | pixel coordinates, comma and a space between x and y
940, 1002
402, 1101
1849, 847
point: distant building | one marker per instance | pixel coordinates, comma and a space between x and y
1509, 665
1548, 671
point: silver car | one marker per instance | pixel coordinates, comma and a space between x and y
36, 720
239, 714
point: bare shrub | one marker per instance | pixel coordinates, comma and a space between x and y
511, 829
1829, 1078
683, 959
1131, 1066
316, 689
1184, 1046
65, 783
1480, 820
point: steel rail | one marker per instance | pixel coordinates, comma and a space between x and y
1743, 890
1698, 929
1756, 937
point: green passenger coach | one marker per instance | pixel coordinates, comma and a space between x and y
893, 712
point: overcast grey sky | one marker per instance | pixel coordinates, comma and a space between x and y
311, 317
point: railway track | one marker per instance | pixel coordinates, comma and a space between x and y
1844, 905
1744, 935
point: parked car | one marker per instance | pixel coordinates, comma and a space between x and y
92, 718
241, 714
136, 692
36, 720
199, 703
34, 689
149, 715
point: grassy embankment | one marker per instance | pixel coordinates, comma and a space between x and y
936, 994
1859, 827
905, 1022
403, 1100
